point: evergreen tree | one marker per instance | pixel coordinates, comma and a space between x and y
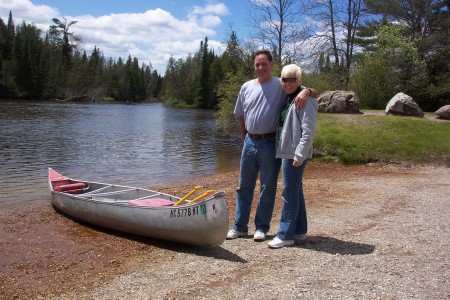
153, 85
228, 88
63, 36
8, 38
8, 87
232, 57
27, 52
203, 97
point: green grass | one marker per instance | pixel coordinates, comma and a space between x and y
363, 138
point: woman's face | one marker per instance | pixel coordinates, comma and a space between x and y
290, 83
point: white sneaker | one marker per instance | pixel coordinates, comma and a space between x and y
232, 234
279, 243
259, 236
300, 237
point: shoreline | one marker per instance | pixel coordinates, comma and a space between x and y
372, 228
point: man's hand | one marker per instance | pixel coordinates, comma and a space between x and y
302, 97
242, 127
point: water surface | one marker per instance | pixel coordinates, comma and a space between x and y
137, 145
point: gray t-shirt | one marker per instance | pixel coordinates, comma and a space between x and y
260, 105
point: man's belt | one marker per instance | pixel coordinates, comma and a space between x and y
261, 136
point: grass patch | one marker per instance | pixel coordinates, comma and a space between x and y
363, 138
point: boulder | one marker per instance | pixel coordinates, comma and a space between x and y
443, 112
403, 105
339, 102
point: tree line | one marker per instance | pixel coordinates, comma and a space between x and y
51, 67
375, 48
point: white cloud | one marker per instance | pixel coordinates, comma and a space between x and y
210, 21
41, 14
151, 36
212, 8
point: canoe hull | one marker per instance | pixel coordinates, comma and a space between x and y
203, 223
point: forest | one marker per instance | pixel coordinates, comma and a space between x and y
50, 66
375, 48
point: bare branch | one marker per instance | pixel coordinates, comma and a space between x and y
276, 24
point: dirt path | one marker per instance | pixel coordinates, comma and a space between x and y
375, 233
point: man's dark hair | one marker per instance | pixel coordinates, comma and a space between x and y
264, 52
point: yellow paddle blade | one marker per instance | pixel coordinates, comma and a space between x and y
207, 193
187, 195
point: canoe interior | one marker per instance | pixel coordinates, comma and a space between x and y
105, 192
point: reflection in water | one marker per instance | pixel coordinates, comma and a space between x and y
136, 145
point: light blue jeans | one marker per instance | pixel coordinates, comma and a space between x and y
258, 157
293, 216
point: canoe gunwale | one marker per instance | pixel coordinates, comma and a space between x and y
102, 199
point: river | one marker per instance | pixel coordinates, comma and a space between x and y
137, 145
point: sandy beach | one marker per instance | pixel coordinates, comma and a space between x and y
376, 232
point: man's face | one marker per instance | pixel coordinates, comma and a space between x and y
263, 67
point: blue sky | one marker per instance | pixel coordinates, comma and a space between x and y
152, 31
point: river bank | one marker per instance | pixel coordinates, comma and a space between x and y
375, 232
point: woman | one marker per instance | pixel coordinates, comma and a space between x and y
295, 135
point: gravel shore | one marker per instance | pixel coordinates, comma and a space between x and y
376, 232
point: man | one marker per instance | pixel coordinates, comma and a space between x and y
258, 106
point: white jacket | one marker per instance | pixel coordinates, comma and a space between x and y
296, 140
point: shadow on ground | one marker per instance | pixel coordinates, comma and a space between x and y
335, 246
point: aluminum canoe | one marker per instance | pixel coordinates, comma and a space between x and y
202, 221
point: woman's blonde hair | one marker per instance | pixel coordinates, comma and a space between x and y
291, 71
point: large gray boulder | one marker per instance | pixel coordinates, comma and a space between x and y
403, 105
443, 112
339, 102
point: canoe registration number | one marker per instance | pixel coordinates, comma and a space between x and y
184, 212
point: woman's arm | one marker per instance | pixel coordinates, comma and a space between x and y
308, 125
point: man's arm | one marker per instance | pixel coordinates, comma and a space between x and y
302, 97
242, 127
312, 92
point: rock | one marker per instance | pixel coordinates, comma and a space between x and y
443, 112
403, 105
339, 102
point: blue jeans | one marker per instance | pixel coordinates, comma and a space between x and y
293, 216
258, 157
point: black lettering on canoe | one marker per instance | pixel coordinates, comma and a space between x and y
187, 211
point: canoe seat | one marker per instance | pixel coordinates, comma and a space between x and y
72, 188
151, 202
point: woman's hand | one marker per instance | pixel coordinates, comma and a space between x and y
296, 164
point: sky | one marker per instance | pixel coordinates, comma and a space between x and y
150, 30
